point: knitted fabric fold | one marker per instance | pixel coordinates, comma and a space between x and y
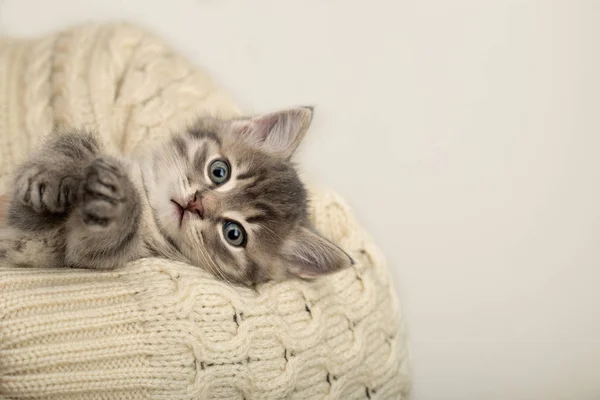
156, 329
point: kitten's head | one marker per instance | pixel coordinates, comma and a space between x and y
226, 195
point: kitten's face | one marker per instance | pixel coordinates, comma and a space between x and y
225, 194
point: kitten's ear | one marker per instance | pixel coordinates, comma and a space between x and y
279, 133
309, 255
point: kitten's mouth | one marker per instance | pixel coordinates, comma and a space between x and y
180, 210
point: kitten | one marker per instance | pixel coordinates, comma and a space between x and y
223, 195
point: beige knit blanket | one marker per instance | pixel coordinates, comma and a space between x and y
155, 329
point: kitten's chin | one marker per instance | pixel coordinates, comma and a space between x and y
177, 223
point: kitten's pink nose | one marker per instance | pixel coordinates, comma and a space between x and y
196, 206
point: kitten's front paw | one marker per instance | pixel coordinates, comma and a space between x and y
46, 190
104, 193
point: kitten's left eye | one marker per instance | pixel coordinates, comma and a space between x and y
234, 234
218, 171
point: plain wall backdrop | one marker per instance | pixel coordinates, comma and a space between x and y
465, 133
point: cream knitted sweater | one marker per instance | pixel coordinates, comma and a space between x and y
158, 329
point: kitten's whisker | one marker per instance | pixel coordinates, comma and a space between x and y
208, 261
216, 270
272, 232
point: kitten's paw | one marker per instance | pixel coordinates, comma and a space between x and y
103, 192
46, 191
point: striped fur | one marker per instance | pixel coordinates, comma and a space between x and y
108, 211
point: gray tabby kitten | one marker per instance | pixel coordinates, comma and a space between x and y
222, 195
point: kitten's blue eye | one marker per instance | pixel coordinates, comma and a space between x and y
234, 234
218, 171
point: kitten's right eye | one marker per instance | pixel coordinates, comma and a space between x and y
218, 171
234, 234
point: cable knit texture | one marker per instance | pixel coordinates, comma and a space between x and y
155, 329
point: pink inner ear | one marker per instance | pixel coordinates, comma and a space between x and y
260, 127
245, 129
278, 133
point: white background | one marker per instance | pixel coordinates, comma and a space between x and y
464, 133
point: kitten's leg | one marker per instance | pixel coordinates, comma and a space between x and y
104, 229
87, 204
31, 249
46, 184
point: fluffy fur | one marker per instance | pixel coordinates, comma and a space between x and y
222, 195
